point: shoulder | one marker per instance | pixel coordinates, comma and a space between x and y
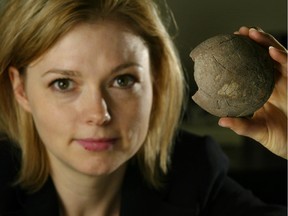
14, 201
199, 158
9, 161
198, 179
190, 148
197, 167
9, 167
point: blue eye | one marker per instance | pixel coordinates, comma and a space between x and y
63, 84
125, 81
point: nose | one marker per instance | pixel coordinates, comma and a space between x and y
96, 111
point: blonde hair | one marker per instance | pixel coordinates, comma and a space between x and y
30, 27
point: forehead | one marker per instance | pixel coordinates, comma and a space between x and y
106, 37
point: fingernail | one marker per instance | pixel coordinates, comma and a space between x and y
220, 123
253, 29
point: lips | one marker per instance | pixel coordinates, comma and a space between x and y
95, 145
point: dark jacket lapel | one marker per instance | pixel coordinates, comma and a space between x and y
44, 202
140, 199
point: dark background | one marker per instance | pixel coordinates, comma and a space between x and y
251, 164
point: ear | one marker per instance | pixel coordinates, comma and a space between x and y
19, 88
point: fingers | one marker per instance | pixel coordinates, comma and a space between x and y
276, 50
276, 142
256, 127
279, 56
268, 126
243, 31
261, 37
264, 39
243, 127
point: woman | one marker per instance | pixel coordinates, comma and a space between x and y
91, 91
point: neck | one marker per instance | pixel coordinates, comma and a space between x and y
89, 195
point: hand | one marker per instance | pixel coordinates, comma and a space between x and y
268, 125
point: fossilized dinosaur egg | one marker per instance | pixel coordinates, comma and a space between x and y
234, 75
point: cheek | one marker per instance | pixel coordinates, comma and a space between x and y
134, 116
51, 120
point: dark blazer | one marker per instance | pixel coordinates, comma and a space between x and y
197, 185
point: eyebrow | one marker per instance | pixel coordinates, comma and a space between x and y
72, 73
126, 65
63, 72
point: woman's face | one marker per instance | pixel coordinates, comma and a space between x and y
91, 96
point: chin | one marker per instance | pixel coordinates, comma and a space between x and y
100, 169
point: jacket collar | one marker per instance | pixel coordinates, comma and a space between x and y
137, 199
44, 202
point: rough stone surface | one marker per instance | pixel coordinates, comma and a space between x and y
234, 75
